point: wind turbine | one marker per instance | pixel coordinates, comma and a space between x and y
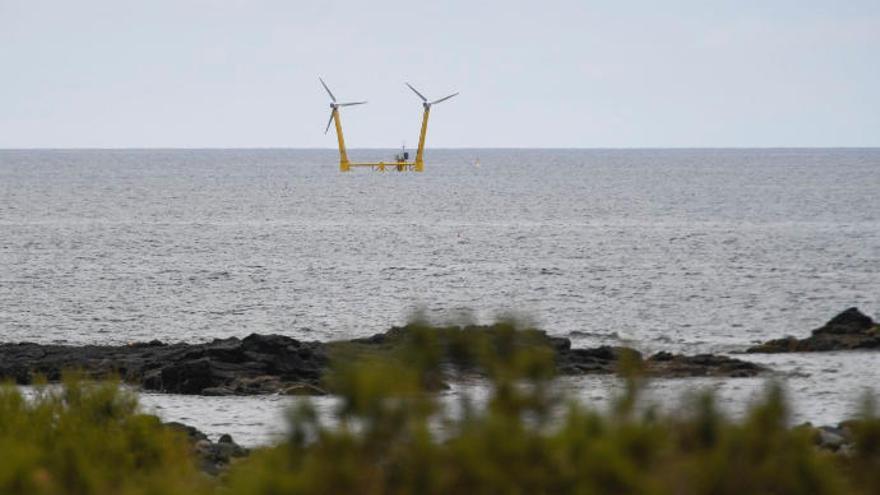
400, 162
419, 163
344, 164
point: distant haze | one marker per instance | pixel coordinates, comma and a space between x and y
200, 73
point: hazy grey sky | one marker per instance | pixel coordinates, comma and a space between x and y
200, 73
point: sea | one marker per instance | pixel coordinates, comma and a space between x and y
685, 250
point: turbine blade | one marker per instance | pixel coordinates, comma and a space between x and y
329, 122
328, 90
444, 98
417, 92
350, 104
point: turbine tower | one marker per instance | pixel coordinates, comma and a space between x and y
419, 163
344, 164
401, 162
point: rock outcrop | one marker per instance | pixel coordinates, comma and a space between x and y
274, 364
850, 330
840, 439
213, 457
607, 360
257, 364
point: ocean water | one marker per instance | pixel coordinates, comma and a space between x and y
682, 250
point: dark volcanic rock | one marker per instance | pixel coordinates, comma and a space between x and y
270, 364
675, 365
214, 457
596, 360
606, 360
192, 433
849, 330
258, 364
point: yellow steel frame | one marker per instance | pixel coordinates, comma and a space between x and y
401, 166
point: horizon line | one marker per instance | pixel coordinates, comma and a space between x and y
370, 148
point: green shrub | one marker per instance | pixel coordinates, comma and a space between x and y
392, 435
88, 438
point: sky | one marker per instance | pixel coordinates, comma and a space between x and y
568, 74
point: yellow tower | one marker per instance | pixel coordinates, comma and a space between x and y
344, 164
420, 153
400, 164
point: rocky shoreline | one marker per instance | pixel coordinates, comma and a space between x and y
253, 365
849, 330
213, 458
275, 364
606, 360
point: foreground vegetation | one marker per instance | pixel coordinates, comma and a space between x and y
392, 436
88, 438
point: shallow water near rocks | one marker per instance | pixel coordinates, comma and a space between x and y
682, 250
813, 396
